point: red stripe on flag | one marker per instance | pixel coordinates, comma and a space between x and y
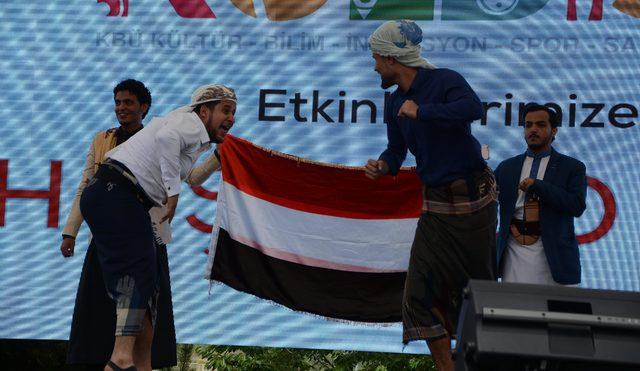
318, 188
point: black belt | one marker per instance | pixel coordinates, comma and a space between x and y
116, 172
526, 228
466, 189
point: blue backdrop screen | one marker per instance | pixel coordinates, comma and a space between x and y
60, 60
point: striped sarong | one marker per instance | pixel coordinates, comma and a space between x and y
454, 241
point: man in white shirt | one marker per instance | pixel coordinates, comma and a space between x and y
147, 171
91, 338
541, 192
163, 153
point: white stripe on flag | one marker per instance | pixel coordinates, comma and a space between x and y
360, 245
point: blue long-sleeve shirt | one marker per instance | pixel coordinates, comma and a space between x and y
440, 138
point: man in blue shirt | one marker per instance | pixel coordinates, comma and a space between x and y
430, 114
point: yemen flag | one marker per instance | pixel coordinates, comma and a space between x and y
314, 237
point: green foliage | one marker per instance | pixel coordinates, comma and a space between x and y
185, 352
50, 355
225, 358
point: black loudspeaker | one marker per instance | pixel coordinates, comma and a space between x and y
514, 326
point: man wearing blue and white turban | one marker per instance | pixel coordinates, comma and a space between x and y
401, 40
430, 114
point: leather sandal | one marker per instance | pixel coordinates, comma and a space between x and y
115, 367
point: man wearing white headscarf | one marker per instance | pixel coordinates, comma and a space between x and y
430, 114
146, 171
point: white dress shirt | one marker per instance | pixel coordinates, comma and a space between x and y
527, 263
162, 154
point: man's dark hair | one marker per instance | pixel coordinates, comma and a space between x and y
136, 88
209, 105
554, 118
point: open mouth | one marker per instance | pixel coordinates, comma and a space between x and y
226, 127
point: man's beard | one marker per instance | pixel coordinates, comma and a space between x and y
386, 83
212, 137
535, 146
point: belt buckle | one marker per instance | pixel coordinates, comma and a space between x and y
122, 171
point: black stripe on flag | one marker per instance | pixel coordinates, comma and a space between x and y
353, 296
